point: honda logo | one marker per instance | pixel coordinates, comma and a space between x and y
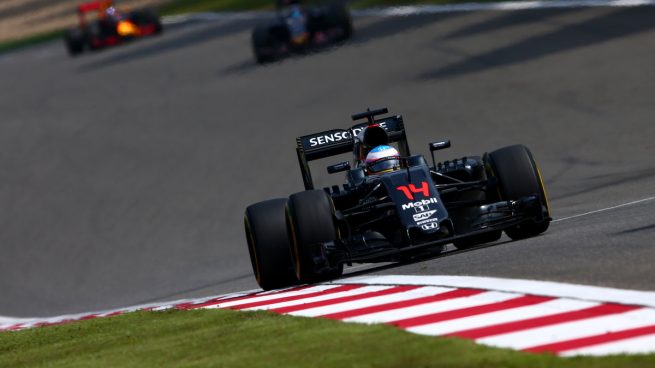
430, 226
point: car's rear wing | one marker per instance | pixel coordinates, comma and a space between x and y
337, 141
98, 5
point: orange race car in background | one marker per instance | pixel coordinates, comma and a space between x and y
109, 27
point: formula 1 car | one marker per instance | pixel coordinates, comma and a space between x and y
407, 211
111, 27
300, 29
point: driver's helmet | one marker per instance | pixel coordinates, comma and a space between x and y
382, 159
113, 13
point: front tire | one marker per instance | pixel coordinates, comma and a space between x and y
148, 16
310, 221
268, 244
518, 176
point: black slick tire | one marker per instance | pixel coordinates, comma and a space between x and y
262, 39
310, 221
268, 244
147, 16
338, 16
74, 39
518, 176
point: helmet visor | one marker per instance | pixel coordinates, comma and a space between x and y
385, 164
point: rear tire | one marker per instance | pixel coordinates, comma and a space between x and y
262, 39
268, 244
518, 176
338, 16
96, 32
310, 221
75, 40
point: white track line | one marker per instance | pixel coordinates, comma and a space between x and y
605, 209
498, 6
401, 11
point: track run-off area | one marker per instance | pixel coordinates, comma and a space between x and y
125, 173
563, 319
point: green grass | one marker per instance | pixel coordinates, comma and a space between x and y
219, 338
31, 40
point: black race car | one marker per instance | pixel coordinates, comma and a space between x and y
109, 27
300, 29
407, 210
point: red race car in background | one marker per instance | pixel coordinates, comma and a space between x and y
109, 27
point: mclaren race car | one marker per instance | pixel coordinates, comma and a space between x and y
300, 29
393, 206
109, 27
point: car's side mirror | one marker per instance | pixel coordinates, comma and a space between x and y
341, 166
435, 146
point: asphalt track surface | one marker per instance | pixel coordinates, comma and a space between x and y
124, 174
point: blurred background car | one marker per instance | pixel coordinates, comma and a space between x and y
299, 28
110, 27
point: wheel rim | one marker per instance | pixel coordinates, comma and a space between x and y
543, 189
